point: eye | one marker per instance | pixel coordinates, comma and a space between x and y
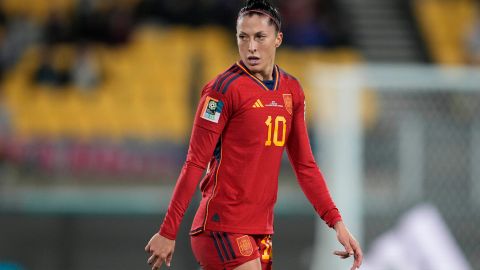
242, 37
260, 37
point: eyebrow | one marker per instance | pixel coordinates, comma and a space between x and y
256, 33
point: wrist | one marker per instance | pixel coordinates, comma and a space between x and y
166, 235
338, 225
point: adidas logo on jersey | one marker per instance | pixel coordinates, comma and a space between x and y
258, 104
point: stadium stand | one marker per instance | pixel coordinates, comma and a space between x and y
140, 82
146, 87
37, 9
444, 25
144, 90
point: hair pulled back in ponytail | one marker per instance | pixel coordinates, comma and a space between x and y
262, 7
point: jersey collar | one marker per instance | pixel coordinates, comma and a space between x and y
276, 76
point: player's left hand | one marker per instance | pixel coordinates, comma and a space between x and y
351, 245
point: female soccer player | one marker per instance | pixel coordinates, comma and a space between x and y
245, 118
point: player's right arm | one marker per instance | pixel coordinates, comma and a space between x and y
206, 131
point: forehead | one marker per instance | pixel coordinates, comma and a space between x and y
254, 23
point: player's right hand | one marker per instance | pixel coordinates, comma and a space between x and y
160, 250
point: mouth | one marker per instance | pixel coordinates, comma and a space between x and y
253, 60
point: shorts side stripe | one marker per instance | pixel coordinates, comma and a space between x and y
216, 246
223, 246
225, 236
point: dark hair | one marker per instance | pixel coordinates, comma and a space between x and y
262, 7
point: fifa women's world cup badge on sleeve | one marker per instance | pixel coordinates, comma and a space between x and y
212, 109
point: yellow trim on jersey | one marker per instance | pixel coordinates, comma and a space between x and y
277, 76
214, 186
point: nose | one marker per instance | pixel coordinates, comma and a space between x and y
252, 47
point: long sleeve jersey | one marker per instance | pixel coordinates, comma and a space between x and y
240, 130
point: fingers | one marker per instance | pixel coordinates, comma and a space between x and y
358, 255
345, 240
341, 254
157, 264
168, 260
350, 244
152, 259
348, 251
348, 248
160, 251
357, 252
352, 248
156, 261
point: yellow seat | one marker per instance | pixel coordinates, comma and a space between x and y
444, 24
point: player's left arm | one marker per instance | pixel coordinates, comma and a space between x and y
351, 245
313, 183
308, 174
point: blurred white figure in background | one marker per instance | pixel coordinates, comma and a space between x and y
85, 70
421, 241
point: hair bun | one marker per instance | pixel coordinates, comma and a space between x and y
264, 6
257, 3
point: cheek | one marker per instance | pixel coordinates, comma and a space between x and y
269, 49
242, 48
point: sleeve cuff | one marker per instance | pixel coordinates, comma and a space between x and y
166, 234
332, 217
332, 223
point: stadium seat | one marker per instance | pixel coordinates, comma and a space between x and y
38, 10
146, 90
444, 25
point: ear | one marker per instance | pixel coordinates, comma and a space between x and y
279, 39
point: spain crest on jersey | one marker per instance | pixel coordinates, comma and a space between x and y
287, 99
212, 109
244, 245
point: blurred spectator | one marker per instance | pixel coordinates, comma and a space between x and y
109, 22
85, 69
90, 23
20, 32
47, 73
3, 19
57, 28
221, 12
190, 12
312, 23
119, 25
181, 11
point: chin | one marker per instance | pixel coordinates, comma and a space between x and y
255, 69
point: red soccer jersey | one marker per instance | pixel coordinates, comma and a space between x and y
240, 131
